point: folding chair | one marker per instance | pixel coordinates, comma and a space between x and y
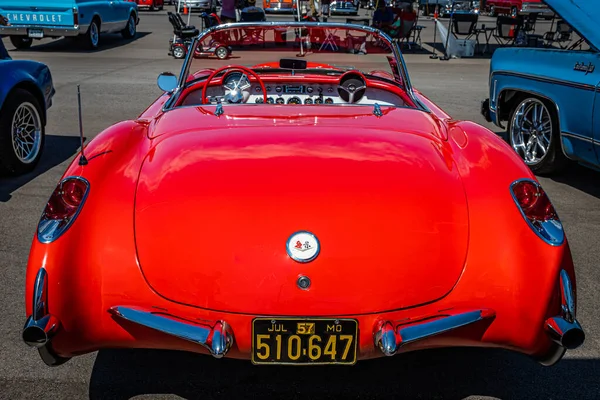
507, 29
465, 25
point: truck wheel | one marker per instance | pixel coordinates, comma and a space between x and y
21, 42
22, 133
533, 133
131, 28
93, 34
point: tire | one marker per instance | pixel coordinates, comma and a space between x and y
92, 37
21, 143
222, 52
179, 52
545, 133
21, 42
131, 29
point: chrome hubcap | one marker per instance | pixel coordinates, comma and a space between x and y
26, 133
531, 131
94, 33
178, 52
221, 53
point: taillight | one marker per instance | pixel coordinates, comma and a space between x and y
75, 16
62, 208
538, 211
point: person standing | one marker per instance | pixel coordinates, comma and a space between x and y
3, 52
325, 9
228, 14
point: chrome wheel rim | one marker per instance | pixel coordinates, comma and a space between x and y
131, 26
94, 33
178, 52
26, 133
531, 131
221, 52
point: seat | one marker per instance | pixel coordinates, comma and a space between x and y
180, 29
464, 25
507, 29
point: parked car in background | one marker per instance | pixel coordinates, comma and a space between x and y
516, 7
38, 19
26, 92
344, 7
151, 4
208, 6
460, 7
279, 6
548, 99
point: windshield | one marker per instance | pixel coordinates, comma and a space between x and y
326, 50
297, 63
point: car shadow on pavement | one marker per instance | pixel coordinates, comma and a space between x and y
580, 178
57, 149
78, 45
429, 374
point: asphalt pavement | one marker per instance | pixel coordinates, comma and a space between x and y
118, 82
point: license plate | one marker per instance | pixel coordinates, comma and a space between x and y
304, 341
35, 33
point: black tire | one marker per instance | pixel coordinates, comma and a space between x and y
131, 29
92, 36
554, 160
21, 42
10, 162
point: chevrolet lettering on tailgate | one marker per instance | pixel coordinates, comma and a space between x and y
39, 19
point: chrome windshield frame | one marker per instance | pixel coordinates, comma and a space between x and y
400, 63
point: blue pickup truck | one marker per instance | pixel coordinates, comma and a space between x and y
38, 19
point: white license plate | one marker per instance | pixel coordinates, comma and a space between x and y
35, 33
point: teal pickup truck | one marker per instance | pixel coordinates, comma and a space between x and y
38, 19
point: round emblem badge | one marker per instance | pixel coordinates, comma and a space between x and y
303, 246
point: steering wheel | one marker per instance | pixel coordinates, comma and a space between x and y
352, 86
234, 67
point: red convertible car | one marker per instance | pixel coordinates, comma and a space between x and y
299, 203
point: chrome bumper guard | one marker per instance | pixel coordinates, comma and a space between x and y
564, 329
41, 326
217, 339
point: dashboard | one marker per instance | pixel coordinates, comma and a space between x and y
351, 89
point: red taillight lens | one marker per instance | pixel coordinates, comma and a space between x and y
65, 199
537, 210
533, 201
62, 208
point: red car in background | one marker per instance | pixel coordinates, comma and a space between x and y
151, 4
516, 7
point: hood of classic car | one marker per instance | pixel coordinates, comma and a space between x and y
581, 16
218, 200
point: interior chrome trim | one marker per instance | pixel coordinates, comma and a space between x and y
217, 339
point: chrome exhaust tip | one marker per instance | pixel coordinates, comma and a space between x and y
569, 335
564, 329
38, 333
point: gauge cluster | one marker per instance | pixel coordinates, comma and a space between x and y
294, 93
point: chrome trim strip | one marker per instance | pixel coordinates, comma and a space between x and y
389, 339
576, 136
551, 232
395, 47
545, 79
217, 339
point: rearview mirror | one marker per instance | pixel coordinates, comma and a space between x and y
167, 81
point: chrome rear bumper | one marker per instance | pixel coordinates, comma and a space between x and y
217, 339
390, 337
49, 31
